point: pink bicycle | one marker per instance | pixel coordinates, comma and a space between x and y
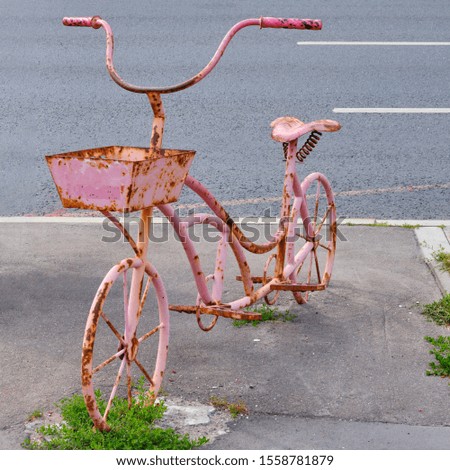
129, 179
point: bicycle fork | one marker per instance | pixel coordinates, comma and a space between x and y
133, 307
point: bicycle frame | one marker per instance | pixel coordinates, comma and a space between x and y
284, 239
286, 263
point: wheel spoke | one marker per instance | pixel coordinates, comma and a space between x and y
323, 246
310, 267
317, 266
129, 384
149, 333
320, 244
108, 361
113, 328
144, 298
146, 374
319, 228
114, 390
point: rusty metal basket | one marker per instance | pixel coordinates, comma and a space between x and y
119, 178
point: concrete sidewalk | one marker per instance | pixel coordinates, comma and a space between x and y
348, 372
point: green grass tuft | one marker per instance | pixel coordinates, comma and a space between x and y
441, 352
267, 314
131, 428
235, 409
35, 415
378, 224
443, 258
439, 311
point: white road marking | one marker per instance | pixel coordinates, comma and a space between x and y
62, 215
382, 43
99, 219
371, 43
393, 110
357, 192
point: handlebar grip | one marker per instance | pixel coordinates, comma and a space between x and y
88, 21
290, 23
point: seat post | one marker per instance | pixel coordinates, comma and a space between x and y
288, 192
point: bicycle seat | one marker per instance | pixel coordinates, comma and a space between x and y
287, 128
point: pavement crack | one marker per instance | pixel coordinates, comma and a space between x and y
343, 419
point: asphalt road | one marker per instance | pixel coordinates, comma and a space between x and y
56, 96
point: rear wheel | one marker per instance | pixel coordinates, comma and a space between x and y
314, 272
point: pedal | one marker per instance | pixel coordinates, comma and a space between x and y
255, 279
218, 310
299, 287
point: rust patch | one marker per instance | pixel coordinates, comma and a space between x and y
217, 310
86, 359
155, 137
90, 403
133, 348
89, 338
137, 160
299, 287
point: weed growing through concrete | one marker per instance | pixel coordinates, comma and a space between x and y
267, 314
373, 224
132, 428
443, 258
378, 224
35, 415
383, 224
441, 353
410, 226
439, 311
235, 409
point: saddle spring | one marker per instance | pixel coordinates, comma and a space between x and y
306, 148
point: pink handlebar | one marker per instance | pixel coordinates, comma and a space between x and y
263, 22
290, 23
89, 21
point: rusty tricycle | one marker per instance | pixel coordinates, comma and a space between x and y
126, 179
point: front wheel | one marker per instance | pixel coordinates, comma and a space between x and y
314, 272
119, 341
